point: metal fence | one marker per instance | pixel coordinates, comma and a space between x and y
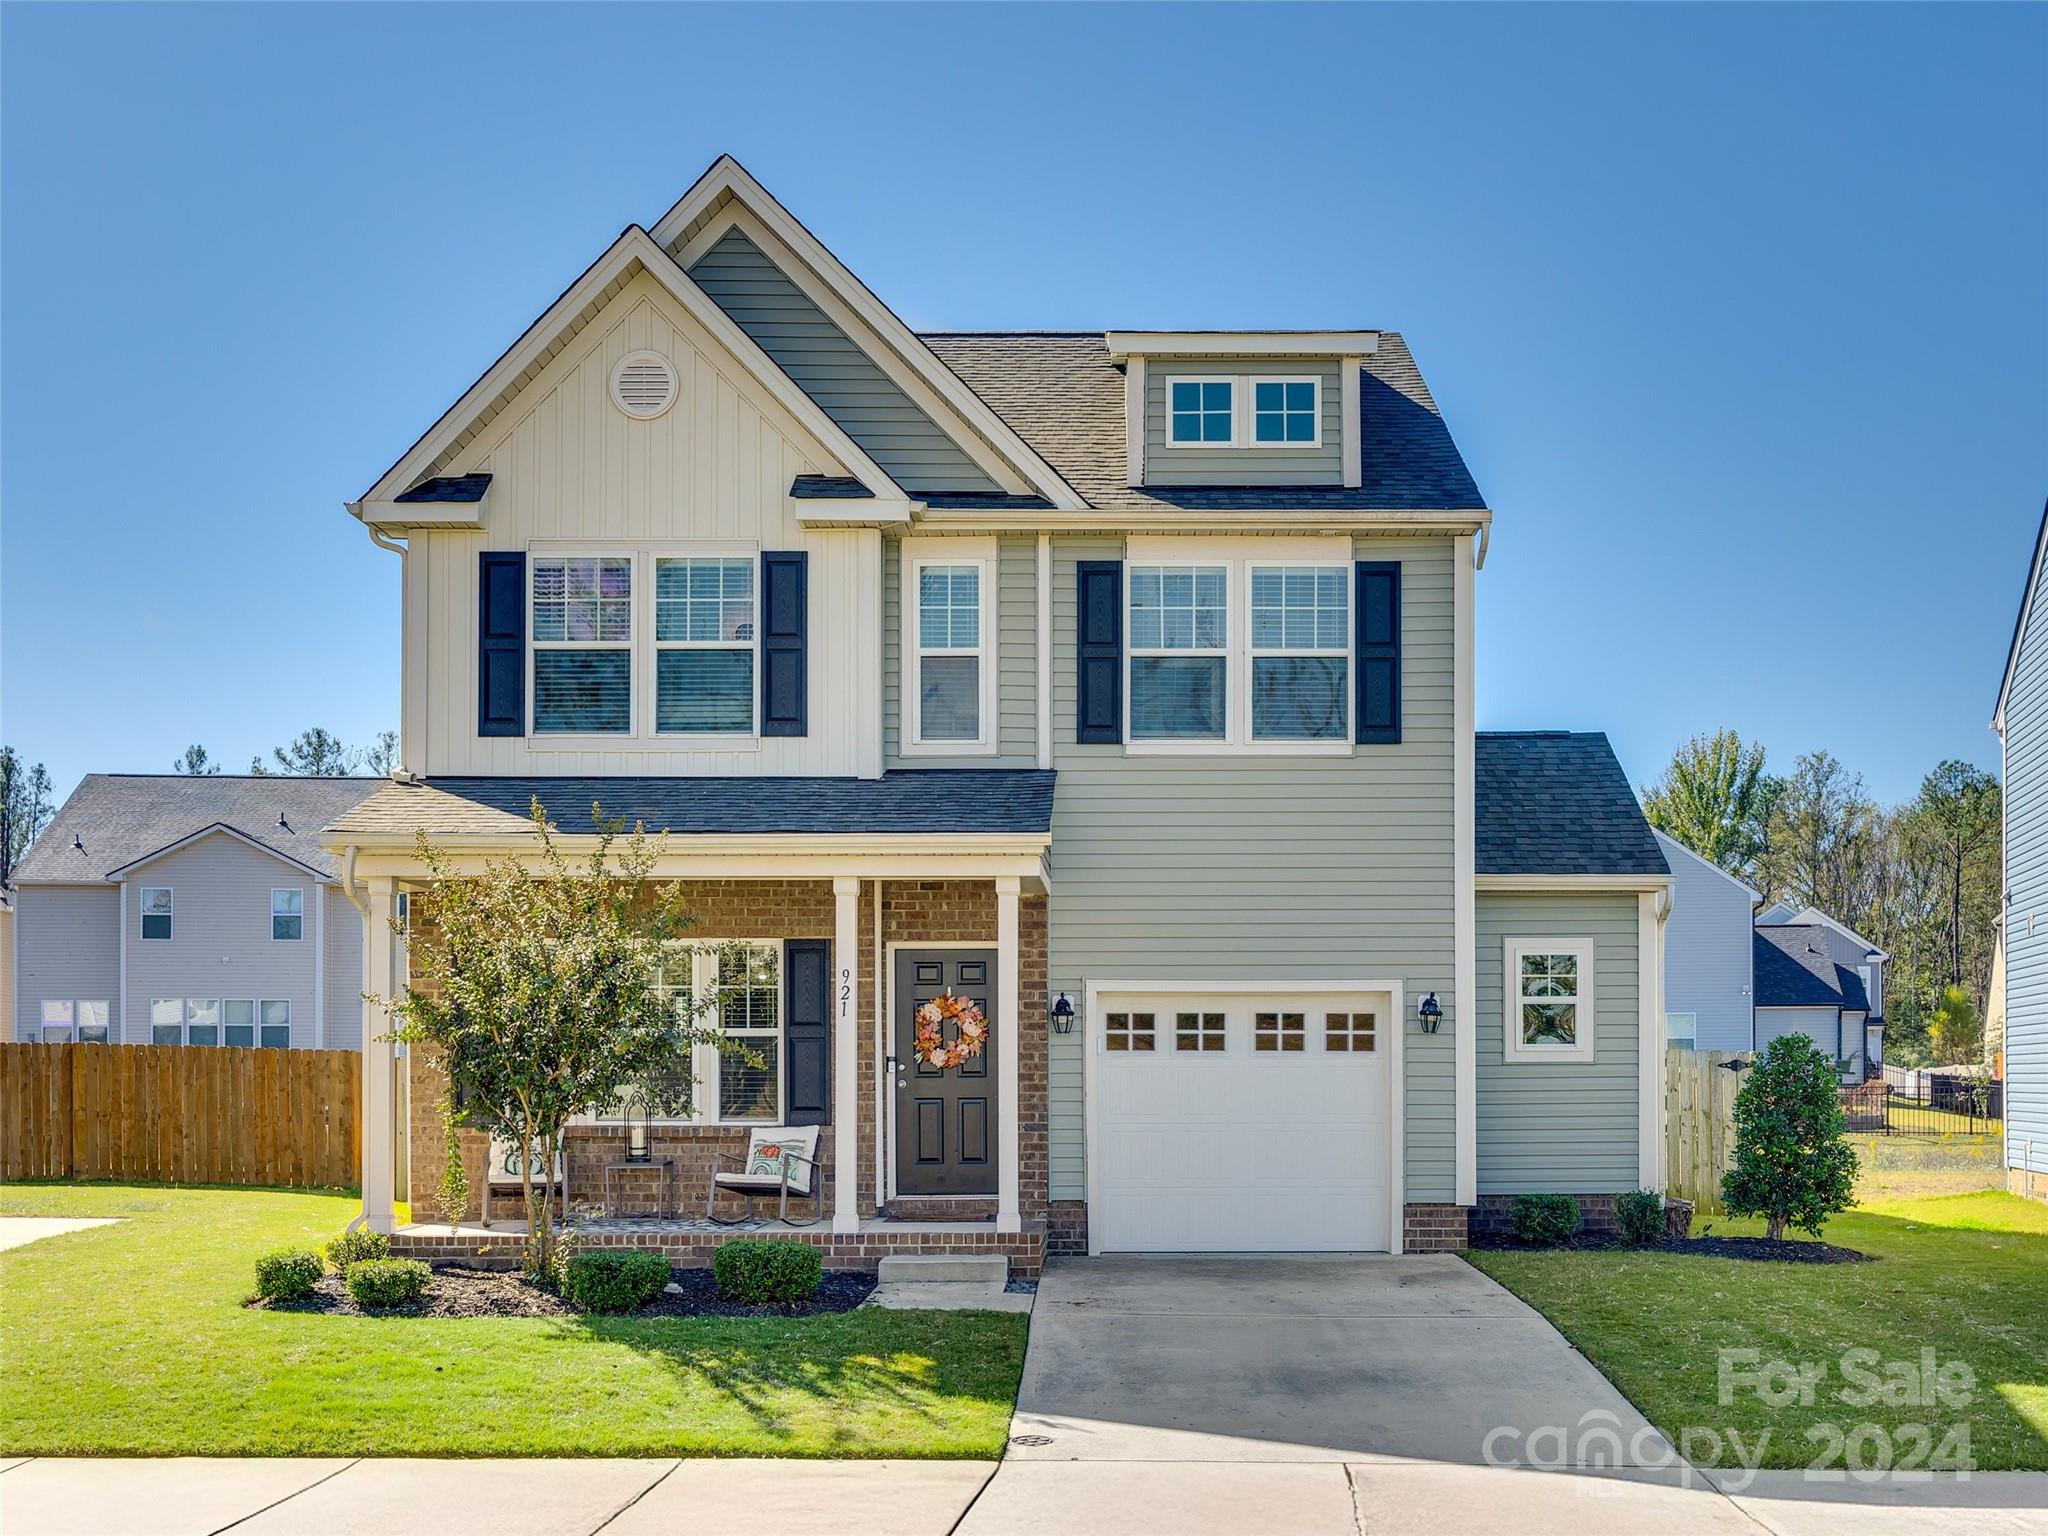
1910, 1102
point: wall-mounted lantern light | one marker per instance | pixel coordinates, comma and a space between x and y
1431, 1013
1063, 1015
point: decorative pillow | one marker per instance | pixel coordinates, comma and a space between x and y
784, 1154
766, 1157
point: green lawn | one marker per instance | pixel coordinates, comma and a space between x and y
133, 1339
1963, 1275
1893, 1168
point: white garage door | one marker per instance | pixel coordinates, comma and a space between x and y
1239, 1123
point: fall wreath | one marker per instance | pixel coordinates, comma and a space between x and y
932, 1048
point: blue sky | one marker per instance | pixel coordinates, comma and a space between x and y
1739, 313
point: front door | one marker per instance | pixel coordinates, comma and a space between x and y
945, 1117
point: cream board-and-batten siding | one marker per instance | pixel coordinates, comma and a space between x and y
573, 473
1234, 867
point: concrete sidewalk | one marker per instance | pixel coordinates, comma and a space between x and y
199, 1497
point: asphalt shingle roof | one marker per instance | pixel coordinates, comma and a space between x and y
1062, 395
1557, 803
449, 488
122, 817
908, 801
1794, 969
829, 488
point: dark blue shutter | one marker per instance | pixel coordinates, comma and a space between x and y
1379, 651
501, 643
1099, 652
807, 1030
785, 690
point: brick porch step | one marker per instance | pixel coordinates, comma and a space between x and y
944, 1268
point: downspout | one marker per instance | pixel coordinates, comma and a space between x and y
348, 889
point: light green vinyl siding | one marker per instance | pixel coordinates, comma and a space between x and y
1016, 626
1170, 463
1568, 1126
1264, 867
831, 368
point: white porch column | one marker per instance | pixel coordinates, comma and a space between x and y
379, 980
846, 1055
1010, 1014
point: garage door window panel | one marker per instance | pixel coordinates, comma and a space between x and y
1128, 1032
1284, 1033
1200, 1033
1350, 1033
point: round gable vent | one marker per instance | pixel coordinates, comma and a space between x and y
644, 385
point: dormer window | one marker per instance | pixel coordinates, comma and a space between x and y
1204, 411
1286, 411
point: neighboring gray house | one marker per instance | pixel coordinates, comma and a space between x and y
1802, 989
1709, 959
2021, 721
182, 910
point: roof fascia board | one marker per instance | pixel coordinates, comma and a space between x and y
1123, 344
901, 372
2019, 628
718, 844
1671, 844
1196, 520
727, 175
222, 828
1485, 882
633, 245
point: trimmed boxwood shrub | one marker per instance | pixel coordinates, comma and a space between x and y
761, 1271
288, 1274
614, 1279
1640, 1215
380, 1283
351, 1248
1545, 1220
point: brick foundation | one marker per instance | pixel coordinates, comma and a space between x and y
1433, 1228
912, 912
691, 1248
1066, 1229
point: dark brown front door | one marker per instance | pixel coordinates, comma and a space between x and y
945, 1119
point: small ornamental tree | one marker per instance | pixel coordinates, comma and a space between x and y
1791, 1163
537, 982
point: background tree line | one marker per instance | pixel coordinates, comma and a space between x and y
1921, 880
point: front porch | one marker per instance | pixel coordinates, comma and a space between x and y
688, 1242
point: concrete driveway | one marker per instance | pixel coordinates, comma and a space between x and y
1309, 1358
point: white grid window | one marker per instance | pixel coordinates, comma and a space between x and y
288, 913
1179, 630
1300, 652
1286, 413
582, 628
951, 662
238, 1021
734, 986
704, 629
1203, 412
156, 911
1549, 1000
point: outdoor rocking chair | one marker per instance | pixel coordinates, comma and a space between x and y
779, 1161
504, 1173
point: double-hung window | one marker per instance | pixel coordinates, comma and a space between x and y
247, 1022
734, 986
288, 912
1180, 652
58, 1022
704, 629
156, 911
949, 651
582, 628
1202, 412
166, 1021
1549, 1000
1300, 652
202, 1021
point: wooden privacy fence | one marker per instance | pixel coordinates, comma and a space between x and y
180, 1114
1699, 1123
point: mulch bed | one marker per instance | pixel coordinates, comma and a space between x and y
1783, 1251
458, 1290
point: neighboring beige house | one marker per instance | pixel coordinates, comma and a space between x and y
1120, 682
188, 910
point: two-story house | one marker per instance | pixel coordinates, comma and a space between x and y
160, 909
1121, 682
2021, 720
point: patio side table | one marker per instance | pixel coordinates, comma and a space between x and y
664, 1204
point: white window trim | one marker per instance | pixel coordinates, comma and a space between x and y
277, 891
1513, 1048
1238, 426
1238, 556
644, 668
1251, 422
1183, 745
219, 1025
284, 1003
153, 1026
1243, 413
142, 910
1689, 1029
918, 553
635, 702
655, 646
1342, 742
